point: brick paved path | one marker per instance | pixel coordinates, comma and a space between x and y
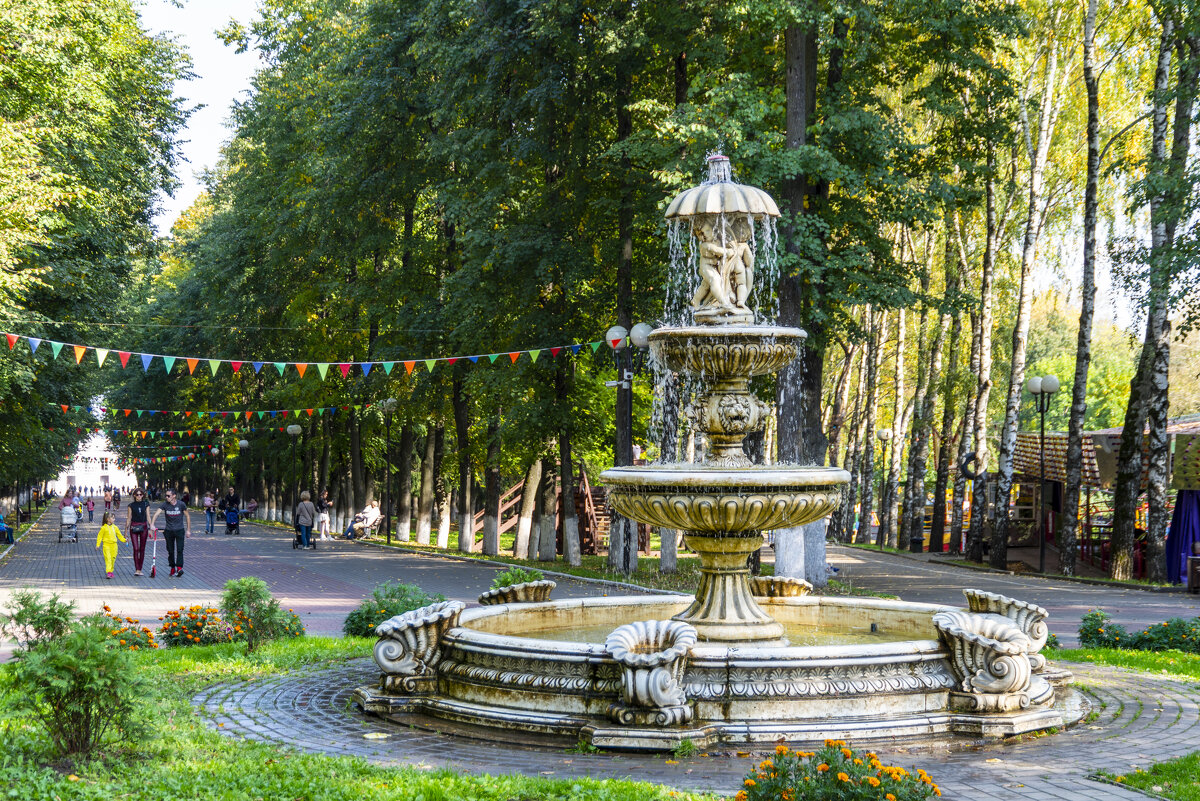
322, 586
922, 580
1142, 719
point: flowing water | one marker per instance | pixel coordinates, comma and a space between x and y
800, 635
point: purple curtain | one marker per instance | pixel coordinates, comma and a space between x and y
1185, 529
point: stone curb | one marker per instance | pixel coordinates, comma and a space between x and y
940, 561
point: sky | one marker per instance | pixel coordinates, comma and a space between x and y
222, 77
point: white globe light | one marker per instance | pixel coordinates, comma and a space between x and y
615, 337
214, 451
243, 443
884, 434
1034, 385
640, 335
294, 430
1049, 384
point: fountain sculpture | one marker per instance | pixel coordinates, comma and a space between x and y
746, 660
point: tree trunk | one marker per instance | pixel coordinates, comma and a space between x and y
462, 436
937, 532
491, 501
983, 375
1068, 533
425, 500
548, 528
1034, 217
441, 492
404, 491
837, 422
874, 360
529, 501
854, 456
894, 447
912, 527
357, 477
572, 550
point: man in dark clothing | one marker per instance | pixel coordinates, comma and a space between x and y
176, 529
231, 500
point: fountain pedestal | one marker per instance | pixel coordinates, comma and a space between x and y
725, 610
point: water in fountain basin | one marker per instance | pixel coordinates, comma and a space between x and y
798, 634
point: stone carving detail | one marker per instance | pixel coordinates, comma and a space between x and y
527, 593
653, 655
989, 656
717, 511
408, 649
1029, 618
818, 682
779, 587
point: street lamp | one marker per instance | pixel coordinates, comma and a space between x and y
216, 481
1042, 388
884, 435
388, 405
619, 339
242, 445
294, 432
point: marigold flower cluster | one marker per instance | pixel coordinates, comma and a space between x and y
835, 772
127, 631
195, 625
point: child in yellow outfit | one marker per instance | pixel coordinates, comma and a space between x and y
108, 536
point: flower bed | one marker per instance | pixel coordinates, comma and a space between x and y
833, 772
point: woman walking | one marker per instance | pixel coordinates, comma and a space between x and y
176, 530
91, 507
108, 536
324, 510
306, 514
137, 524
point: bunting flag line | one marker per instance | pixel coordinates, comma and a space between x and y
117, 411
301, 368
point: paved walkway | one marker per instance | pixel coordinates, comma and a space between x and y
923, 580
1141, 719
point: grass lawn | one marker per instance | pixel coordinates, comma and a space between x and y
182, 758
1170, 663
1177, 779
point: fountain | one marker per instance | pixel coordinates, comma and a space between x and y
746, 660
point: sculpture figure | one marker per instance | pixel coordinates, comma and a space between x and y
725, 263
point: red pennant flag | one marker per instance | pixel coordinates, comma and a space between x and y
301, 367
236, 366
248, 415
187, 414
554, 352
12, 340
128, 412
310, 412
285, 414
79, 351
514, 356
192, 365
408, 367
64, 407
79, 431
124, 356
614, 342
345, 368
452, 360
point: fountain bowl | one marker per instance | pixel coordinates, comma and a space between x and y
726, 351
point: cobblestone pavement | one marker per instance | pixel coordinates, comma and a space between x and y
1142, 719
322, 586
921, 580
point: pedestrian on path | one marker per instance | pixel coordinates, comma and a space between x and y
107, 537
210, 511
137, 524
176, 530
117, 499
107, 500
306, 515
91, 507
324, 509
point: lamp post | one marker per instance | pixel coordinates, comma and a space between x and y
619, 339
242, 445
884, 435
216, 481
388, 405
294, 432
1042, 388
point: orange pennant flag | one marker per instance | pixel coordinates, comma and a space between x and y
192, 365
408, 367
514, 356
79, 351
300, 368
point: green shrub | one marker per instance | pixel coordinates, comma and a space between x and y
388, 599
248, 606
1096, 630
32, 619
82, 687
833, 772
516, 575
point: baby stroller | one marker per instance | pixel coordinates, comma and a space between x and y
232, 519
68, 527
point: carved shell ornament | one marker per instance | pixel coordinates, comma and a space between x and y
779, 587
408, 643
988, 652
653, 654
1029, 618
525, 593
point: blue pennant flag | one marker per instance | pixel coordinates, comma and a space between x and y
33, 343
575, 349
257, 366
146, 359
473, 359
366, 367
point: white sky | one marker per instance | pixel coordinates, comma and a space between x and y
221, 77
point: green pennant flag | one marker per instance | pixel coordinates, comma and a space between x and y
56, 347
213, 364
320, 411
139, 411
280, 366
260, 415
296, 412
596, 346
533, 354
429, 364
492, 357
387, 367
322, 368
79, 408
169, 361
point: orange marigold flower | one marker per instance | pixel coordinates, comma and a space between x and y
890, 797
750, 782
781, 749
822, 768
741, 796
846, 752
842, 777
871, 780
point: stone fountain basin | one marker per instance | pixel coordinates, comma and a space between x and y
723, 351
719, 501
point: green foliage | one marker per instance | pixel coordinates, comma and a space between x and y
32, 620
516, 575
1172, 663
82, 687
685, 749
1174, 779
1096, 630
833, 772
1052, 641
126, 632
387, 600
195, 625
255, 615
